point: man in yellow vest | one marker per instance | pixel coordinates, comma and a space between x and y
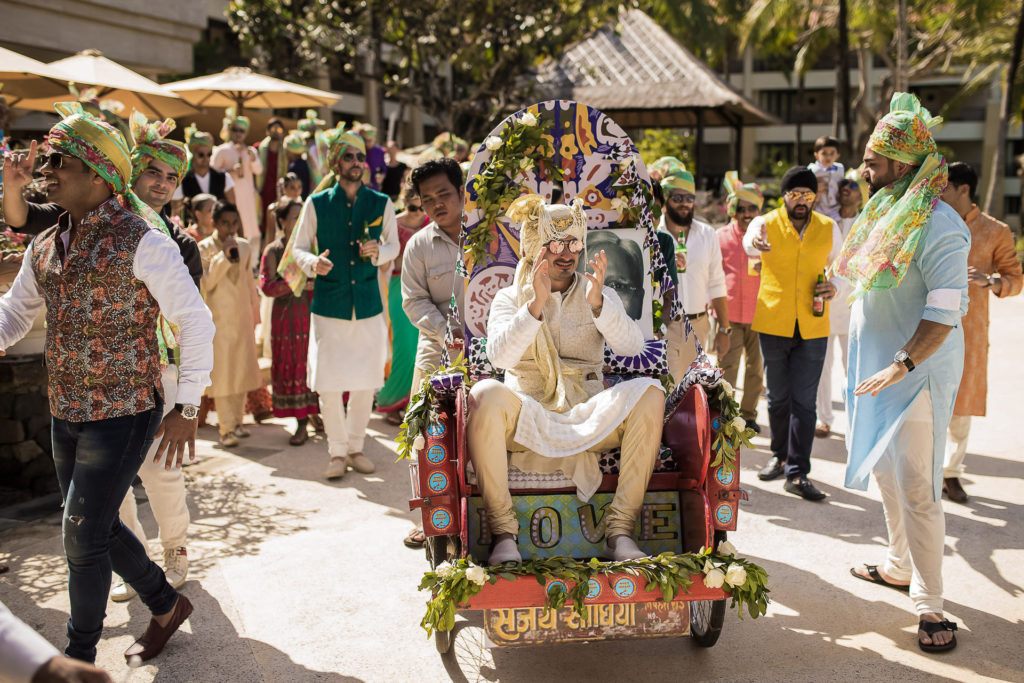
795, 245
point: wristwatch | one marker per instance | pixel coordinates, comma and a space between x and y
903, 357
727, 330
188, 411
991, 281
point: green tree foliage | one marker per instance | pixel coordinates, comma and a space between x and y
463, 62
666, 142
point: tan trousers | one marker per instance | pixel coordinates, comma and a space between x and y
682, 353
743, 342
493, 418
417, 380
230, 412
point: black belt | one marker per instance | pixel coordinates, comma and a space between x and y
694, 316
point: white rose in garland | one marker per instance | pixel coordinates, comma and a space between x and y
418, 443
726, 548
477, 575
528, 119
714, 578
735, 575
728, 387
492, 143
444, 570
739, 424
619, 204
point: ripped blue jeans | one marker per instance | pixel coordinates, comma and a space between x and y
96, 463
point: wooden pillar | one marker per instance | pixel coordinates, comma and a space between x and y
737, 150
699, 151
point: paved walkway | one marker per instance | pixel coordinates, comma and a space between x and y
297, 579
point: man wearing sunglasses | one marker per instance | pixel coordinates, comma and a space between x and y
701, 277
795, 245
200, 177
106, 341
345, 232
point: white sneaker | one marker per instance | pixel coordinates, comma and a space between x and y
228, 440
336, 467
176, 566
241, 431
122, 591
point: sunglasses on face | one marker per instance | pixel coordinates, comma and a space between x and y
681, 198
350, 156
202, 155
413, 209
54, 160
239, 130
556, 247
794, 196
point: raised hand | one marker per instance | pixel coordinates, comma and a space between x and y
324, 264
761, 241
18, 167
541, 280
595, 286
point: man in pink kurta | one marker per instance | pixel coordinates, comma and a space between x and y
992, 266
742, 281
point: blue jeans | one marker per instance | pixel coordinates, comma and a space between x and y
96, 463
792, 368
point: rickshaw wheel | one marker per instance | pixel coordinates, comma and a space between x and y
707, 616
442, 549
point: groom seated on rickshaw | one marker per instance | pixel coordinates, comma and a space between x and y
548, 331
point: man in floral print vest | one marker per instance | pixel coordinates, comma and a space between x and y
118, 297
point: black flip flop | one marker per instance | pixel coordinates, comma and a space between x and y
933, 627
877, 578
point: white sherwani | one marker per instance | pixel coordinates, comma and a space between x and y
225, 158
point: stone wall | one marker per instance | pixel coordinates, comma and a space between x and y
26, 462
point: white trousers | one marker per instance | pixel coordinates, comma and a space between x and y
916, 524
346, 433
825, 415
956, 446
165, 488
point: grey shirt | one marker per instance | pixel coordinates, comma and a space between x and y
428, 274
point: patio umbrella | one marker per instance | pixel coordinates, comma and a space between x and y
111, 81
23, 77
241, 87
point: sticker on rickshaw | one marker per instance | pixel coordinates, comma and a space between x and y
536, 625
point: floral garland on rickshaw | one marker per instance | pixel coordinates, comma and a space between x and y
422, 408
453, 584
519, 148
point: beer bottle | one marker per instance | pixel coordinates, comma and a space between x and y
681, 249
818, 306
363, 239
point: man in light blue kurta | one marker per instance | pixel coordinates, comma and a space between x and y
906, 256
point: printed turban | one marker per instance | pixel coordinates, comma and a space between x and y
541, 223
95, 142
197, 139
904, 134
151, 143
338, 140
665, 165
295, 142
678, 179
311, 123
231, 119
883, 240
748, 192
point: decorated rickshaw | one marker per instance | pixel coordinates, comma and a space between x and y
563, 590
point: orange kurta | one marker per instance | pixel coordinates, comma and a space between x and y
992, 251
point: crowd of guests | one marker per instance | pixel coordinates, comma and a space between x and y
300, 236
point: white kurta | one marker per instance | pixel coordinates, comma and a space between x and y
345, 355
225, 159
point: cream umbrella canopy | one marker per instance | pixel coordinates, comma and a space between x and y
23, 77
111, 81
241, 87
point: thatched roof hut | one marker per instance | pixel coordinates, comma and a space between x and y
638, 74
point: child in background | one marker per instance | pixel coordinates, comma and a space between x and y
829, 172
